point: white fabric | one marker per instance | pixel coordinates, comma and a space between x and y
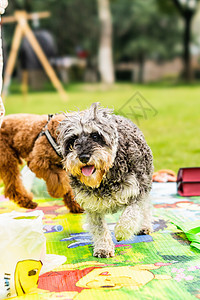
2, 109
3, 5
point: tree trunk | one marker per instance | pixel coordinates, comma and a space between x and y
187, 15
105, 59
186, 42
141, 60
28, 5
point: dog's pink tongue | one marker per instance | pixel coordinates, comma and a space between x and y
87, 170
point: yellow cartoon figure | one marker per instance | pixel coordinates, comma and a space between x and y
117, 277
26, 276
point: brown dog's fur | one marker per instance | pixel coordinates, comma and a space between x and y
18, 140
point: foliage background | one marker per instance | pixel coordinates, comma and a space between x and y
141, 30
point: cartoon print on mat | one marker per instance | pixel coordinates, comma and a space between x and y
52, 228
179, 204
118, 277
182, 274
26, 276
159, 224
100, 277
50, 281
179, 260
84, 238
54, 208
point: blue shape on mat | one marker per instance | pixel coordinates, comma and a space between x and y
84, 238
52, 228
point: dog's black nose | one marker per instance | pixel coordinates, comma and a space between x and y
84, 158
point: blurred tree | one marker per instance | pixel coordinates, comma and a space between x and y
21, 4
141, 31
74, 23
105, 59
187, 10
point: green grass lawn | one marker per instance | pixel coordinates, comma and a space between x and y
171, 124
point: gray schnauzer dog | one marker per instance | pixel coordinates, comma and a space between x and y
110, 166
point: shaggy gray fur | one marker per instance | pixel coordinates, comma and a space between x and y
125, 185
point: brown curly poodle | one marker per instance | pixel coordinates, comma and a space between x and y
20, 139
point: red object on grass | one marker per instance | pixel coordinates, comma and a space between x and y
188, 181
164, 176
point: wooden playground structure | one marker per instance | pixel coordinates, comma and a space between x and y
23, 29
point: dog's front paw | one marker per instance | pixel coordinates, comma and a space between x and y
71, 203
145, 231
122, 233
104, 253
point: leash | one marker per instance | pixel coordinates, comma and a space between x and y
49, 137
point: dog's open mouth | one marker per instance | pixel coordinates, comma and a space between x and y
88, 170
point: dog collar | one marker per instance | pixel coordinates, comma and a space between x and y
49, 137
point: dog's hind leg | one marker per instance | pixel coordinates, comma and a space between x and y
10, 174
103, 244
57, 181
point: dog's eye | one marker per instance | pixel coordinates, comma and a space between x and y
70, 143
96, 137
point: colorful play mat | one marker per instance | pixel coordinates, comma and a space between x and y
163, 265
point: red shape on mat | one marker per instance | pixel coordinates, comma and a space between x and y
63, 281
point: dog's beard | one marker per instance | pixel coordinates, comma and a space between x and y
101, 160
